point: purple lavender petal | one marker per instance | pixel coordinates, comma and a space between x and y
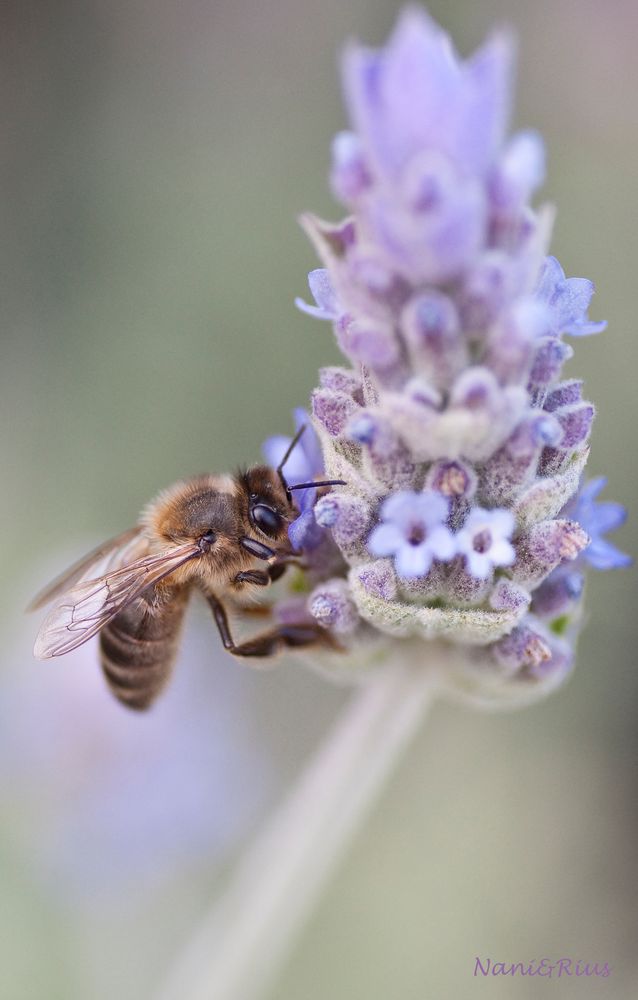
309, 445
603, 555
324, 295
416, 94
520, 171
399, 98
597, 519
305, 533
385, 540
568, 300
438, 243
413, 561
609, 516
349, 175
487, 99
274, 448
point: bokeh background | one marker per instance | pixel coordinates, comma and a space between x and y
154, 159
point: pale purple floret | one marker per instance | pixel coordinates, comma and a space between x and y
415, 94
349, 176
597, 519
567, 300
520, 172
304, 464
484, 541
413, 531
427, 129
324, 295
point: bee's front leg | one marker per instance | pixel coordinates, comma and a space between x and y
258, 577
261, 577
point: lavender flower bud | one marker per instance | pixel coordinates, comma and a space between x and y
452, 479
385, 459
333, 410
550, 357
458, 482
576, 423
341, 380
546, 546
507, 596
565, 394
349, 177
558, 594
430, 325
370, 343
520, 171
377, 579
465, 589
510, 343
522, 648
347, 516
331, 605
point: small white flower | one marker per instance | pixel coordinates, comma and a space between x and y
484, 541
413, 531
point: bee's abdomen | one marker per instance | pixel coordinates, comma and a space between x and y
138, 649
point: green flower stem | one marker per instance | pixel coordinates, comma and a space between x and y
245, 939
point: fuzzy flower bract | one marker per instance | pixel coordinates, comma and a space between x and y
463, 519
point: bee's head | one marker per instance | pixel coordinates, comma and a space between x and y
265, 503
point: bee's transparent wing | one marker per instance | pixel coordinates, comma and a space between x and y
118, 550
81, 612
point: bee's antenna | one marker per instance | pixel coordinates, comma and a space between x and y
280, 468
319, 482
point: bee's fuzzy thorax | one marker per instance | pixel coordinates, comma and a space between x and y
164, 517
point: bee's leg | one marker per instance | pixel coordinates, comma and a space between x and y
290, 636
256, 610
274, 571
280, 564
257, 549
279, 561
259, 577
277, 570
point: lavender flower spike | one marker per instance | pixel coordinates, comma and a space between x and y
461, 445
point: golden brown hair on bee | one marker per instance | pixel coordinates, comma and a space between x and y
224, 535
188, 507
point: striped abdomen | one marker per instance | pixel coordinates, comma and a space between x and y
138, 647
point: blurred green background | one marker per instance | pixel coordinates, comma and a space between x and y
155, 158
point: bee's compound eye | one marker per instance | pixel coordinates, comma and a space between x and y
267, 519
209, 537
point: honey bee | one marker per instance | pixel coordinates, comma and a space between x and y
224, 535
